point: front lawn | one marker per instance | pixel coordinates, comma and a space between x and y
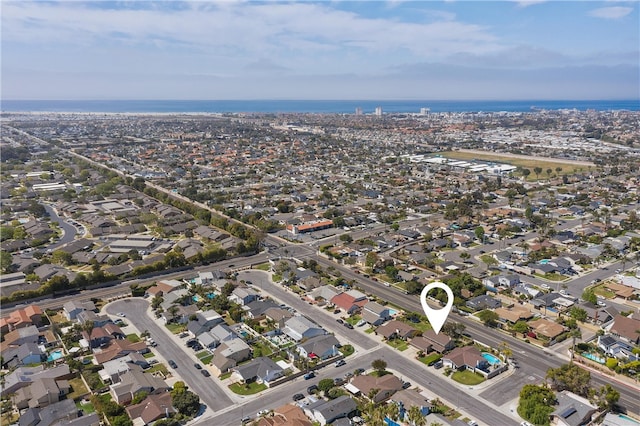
467, 377
133, 338
353, 320
176, 328
399, 344
434, 357
226, 375
370, 330
206, 359
263, 266
347, 350
247, 389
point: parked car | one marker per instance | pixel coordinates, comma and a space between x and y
122, 314
340, 363
198, 366
406, 385
173, 364
298, 397
205, 373
438, 365
349, 326
309, 375
359, 371
360, 323
245, 419
312, 389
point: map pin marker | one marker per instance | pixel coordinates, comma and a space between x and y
436, 317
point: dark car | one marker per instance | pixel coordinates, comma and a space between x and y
205, 373
173, 364
298, 397
312, 388
349, 326
198, 366
359, 371
406, 385
339, 321
309, 375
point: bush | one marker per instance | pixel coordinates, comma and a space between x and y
611, 363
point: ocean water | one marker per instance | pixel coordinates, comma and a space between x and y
307, 106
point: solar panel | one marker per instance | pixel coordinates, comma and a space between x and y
566, 413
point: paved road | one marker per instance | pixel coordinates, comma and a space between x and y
208, 388
69, 230
261, 280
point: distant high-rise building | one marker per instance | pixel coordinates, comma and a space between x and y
425, 111
358, 111
378, 111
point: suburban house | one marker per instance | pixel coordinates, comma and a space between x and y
430, 341
319, 347
384, 386
350, 301
25, 354
256, 309
546, 329
25, 317
465, 358
627, 328
309, 283
508, 317
112, 370
375, 314
502, 280
324, 294
573, 410
483, 301
72, 308
599, 315
24, 376
152, 408
56, 413
20, 336
243, 295
278, 315
526, 289
204, 321
213, 338
41, 392
101, 336
396, 330
260, 370
134, 382
119, 348
299, 327
229, 354
615, 348
408, 398
326, 412
286, 415
90, 316
164, 287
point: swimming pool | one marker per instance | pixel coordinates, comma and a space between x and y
57, 354
544, 261
392, 312
490, 358
622, 416
593, 357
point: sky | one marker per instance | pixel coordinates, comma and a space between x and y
358, 50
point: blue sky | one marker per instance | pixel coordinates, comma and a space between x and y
320, 50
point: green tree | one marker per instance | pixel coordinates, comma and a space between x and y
536, 404
415, 417
454, 329
325, 384
588, 295
537, 171
187, 403
520, 327
379, 365
479, 231
5, 261
578, 314
605, 397
569, 377
488, 317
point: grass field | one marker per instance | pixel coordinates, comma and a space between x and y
467, 377
248, 389
568, 167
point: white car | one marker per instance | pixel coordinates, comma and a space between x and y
525, 424
122, 314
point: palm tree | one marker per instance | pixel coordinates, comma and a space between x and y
575, 333
415, 417
172, 311
392, 410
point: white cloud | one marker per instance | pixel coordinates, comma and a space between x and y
612, 12
527, 3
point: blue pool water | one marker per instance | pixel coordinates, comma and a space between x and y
392, 312
593, 357
622, 416
544, 261
490, 358
57, 354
